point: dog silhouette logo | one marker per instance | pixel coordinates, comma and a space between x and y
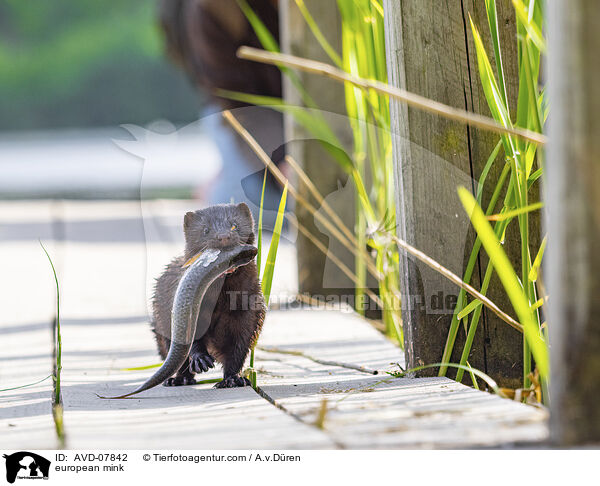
26, 465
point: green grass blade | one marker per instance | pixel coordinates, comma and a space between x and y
515, 212
534, 177
260, 221
262, 32
311, 120
270, 44
267, 277
539, 303
142, 368
58, 337
25, 386
535, 267
486, 169
314, 28
490, 87
453, 331
472, 375
508, 278
480, 374
532, 29
531, 68
468, 309
490, 7
258, 264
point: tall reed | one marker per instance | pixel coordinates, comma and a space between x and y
57, 405
523, 167
266, 279
370, 163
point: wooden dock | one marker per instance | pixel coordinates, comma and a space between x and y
316, 387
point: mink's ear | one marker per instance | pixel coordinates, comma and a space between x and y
187, 219
244, 209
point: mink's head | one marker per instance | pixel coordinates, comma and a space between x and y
220, 227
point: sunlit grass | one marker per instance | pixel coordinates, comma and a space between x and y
519, 176
370, 164
266, 279
57, 408
518, 149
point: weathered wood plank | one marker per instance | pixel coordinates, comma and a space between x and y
331, 336
573, 262
366, 411
105, 330
28, 303
430, 52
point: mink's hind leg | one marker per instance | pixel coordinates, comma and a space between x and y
233, 367
200, 360
233, 381
183, 377
235, 350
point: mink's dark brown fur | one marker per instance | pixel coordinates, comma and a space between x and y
234, 303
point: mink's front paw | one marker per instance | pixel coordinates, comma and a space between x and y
233, 382
200, 362
180, 380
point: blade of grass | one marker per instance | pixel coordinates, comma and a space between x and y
480, 374
532, 29
453, 331
57, 409
267, 276
431, 263
260, 221
142, 368
25, 386
486, 169
325, 45
490, 7
488, 81
58, 337
469, 308
516, 212
535, 267
508, 278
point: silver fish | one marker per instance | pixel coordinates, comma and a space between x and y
203, 269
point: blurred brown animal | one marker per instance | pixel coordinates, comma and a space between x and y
203, 36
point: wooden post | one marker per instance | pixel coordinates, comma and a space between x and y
297, 39
430, 51
573, 261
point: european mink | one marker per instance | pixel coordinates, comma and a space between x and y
234, 303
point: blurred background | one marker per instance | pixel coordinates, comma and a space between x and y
72, 74
109, 120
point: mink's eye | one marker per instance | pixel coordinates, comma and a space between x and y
206, 230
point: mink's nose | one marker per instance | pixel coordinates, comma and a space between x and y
224, 239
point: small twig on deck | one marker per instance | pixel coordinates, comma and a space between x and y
293, 352
411, 99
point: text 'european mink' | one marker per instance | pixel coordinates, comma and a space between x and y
234, 302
